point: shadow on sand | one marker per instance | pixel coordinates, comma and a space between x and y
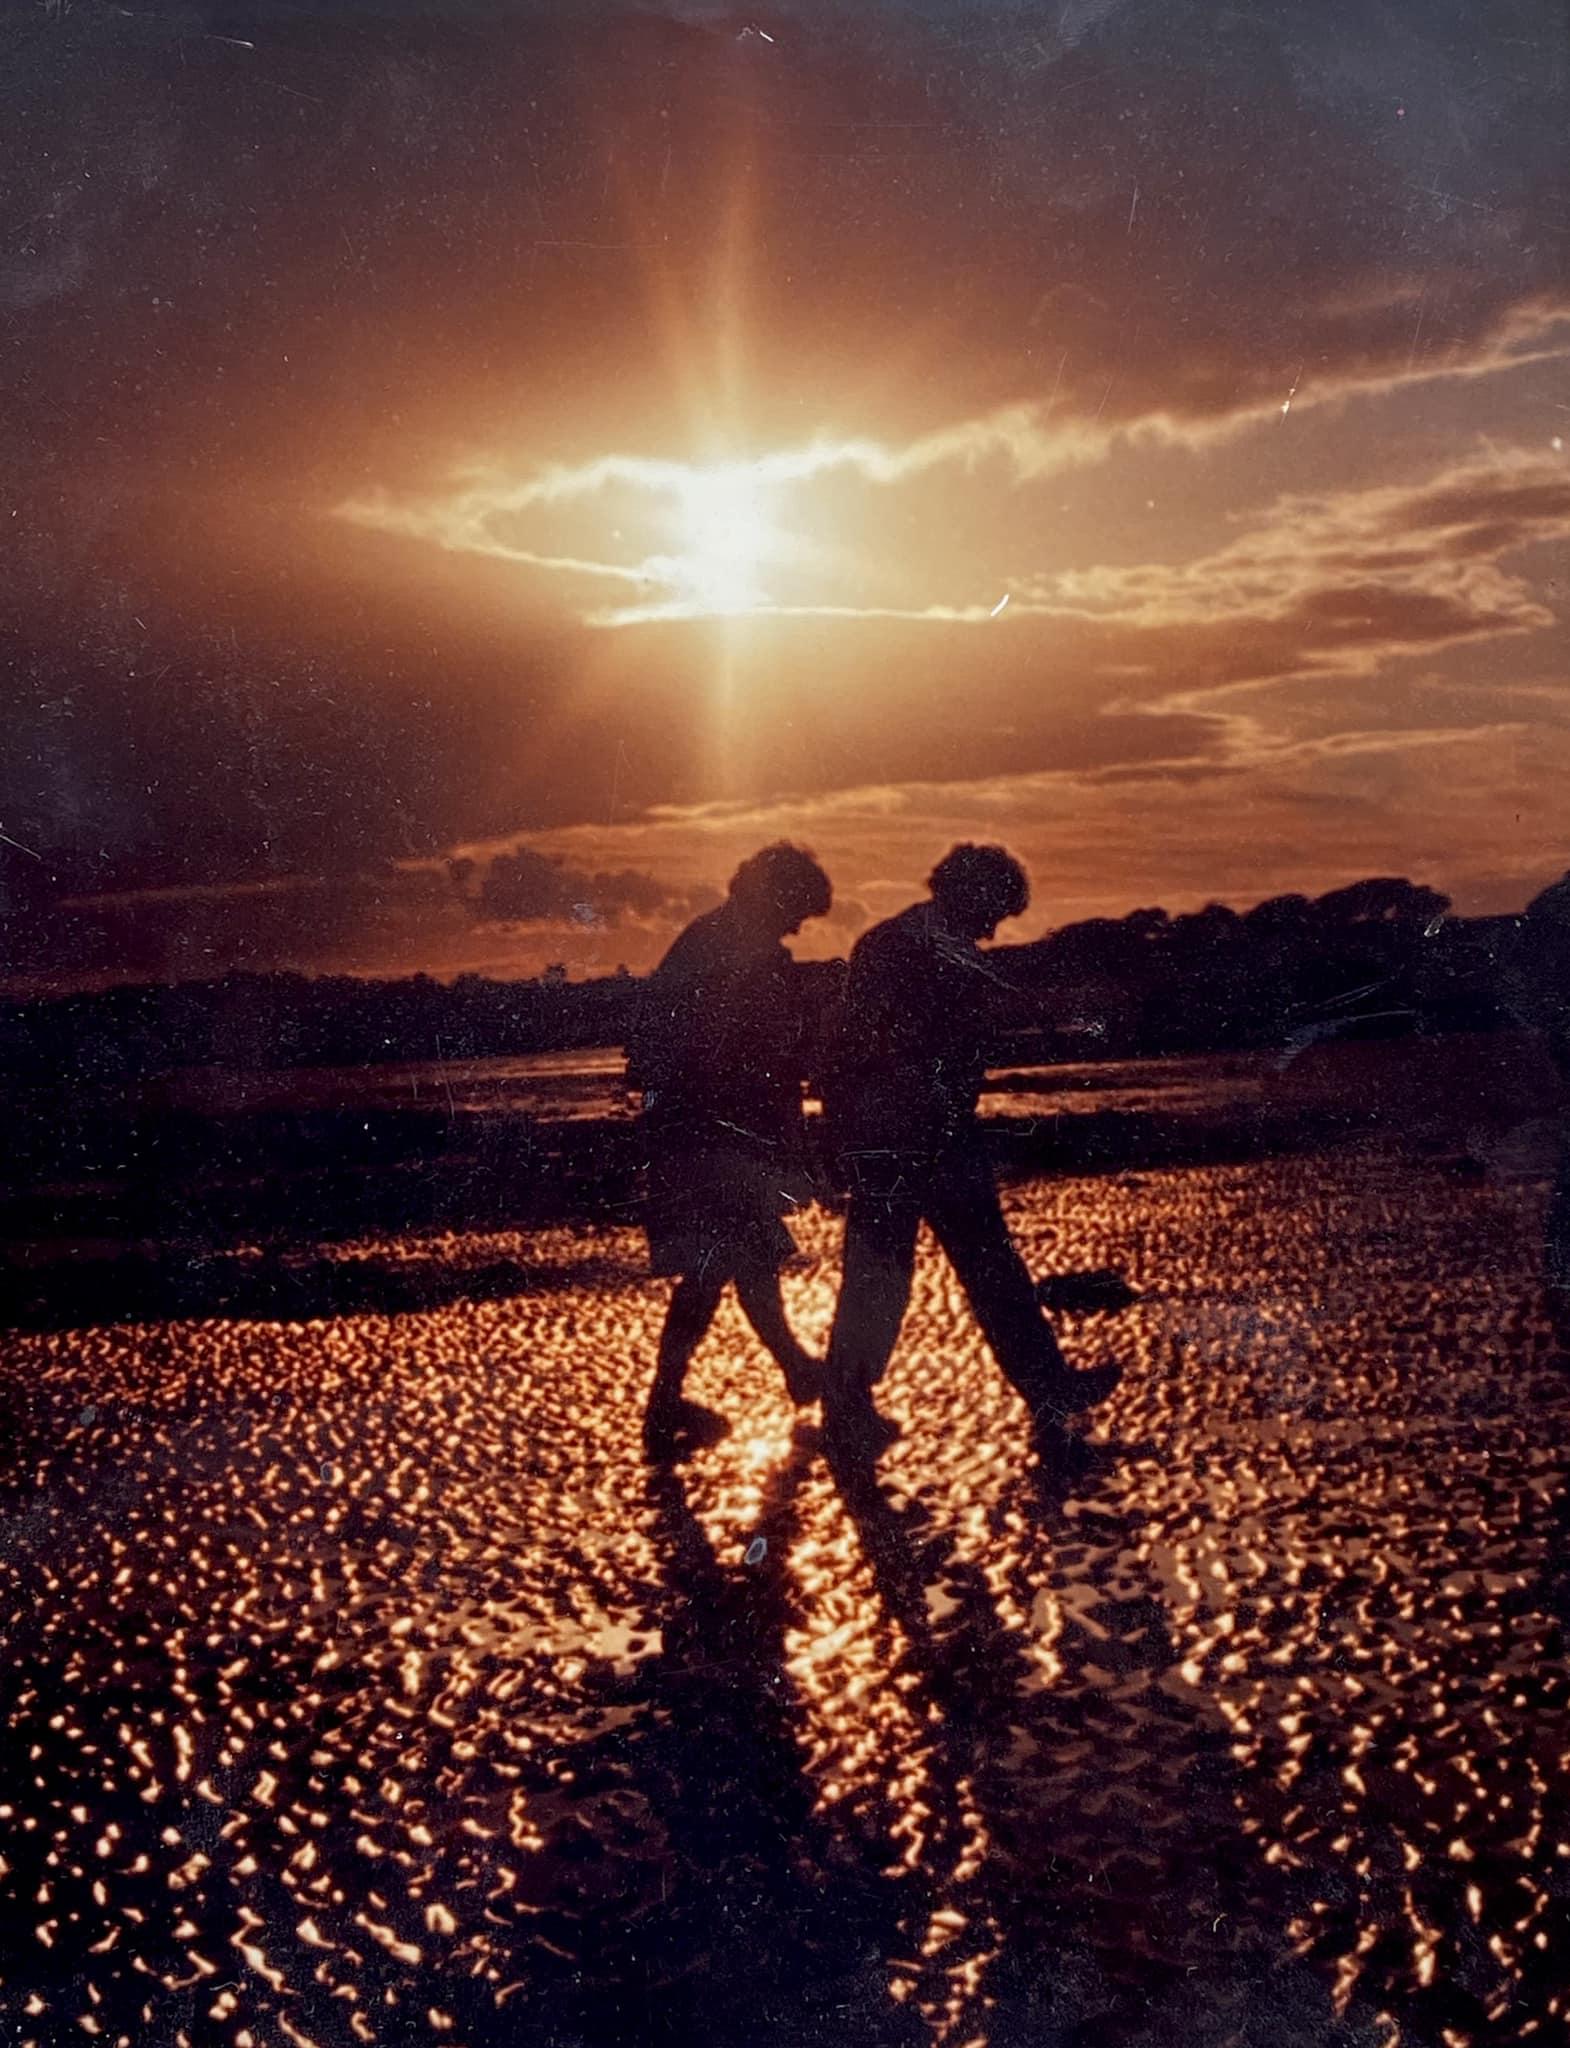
748, 1924
1119, 1900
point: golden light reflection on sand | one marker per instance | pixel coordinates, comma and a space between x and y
361, 1685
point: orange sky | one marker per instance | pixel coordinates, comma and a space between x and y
618, 440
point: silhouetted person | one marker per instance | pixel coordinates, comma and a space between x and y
719, 1053
922, 1005
1541, 978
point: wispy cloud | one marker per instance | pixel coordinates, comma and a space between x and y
1443, 536
491, 511
1438, 802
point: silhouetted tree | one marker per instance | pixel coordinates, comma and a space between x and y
1383, 900
1377, 954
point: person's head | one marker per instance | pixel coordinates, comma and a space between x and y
976, 887
778, 888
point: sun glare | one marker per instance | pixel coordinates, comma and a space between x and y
726, 535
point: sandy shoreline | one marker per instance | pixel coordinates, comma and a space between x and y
369, 1689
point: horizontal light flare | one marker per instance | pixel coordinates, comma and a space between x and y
723, 519
678, 610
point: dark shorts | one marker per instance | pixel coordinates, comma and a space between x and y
714, 1208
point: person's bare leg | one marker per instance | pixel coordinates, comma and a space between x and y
758, 1291
692, 1309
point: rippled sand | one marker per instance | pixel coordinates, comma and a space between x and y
361, 1685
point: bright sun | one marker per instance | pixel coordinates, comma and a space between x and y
726, 536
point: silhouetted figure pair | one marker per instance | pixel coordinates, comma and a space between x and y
721, 1056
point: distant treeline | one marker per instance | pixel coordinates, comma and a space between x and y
1380, 956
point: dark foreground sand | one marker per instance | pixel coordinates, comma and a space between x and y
360, 1685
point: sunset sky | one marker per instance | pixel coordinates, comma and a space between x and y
443, 441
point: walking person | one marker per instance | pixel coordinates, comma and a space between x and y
921, 1006
720, 1056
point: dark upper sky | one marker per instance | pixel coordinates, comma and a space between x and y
435, 428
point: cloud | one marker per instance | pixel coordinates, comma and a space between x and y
923, 262
1125, 674
1163, 664
1470, 808
521, 886
482, 510
974, 235
1335, 585
390, 723
1160, 230
1473, 810
504, 915
508, 518
195, 932
1321, 552
1398, 538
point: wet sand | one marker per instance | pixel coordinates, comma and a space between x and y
361, 1684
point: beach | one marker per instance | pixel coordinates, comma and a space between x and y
361, 1683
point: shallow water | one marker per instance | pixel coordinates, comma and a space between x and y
361, 1685
562, 1087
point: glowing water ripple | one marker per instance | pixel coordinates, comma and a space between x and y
360, 1685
